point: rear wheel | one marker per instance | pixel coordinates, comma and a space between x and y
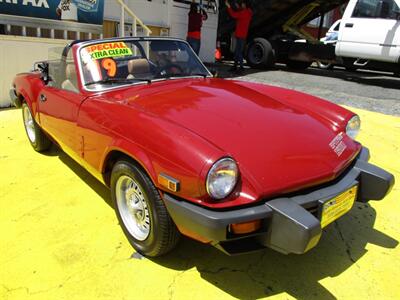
349, 64
39, 141
141, 211
297, 65
260, 54
325, 66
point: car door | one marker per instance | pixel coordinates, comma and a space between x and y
59, 103
370, 29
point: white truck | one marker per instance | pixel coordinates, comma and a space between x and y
369, 35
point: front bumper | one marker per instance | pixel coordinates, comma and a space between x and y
289, 224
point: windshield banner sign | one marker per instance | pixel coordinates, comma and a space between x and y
82, 11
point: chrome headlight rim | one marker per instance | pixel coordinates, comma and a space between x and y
213, 168
353, 127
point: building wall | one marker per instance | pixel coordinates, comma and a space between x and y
169, 14
17, 54
179, 24
150, 12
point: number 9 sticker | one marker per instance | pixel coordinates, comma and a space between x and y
110, 66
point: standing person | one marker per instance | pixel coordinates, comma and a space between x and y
67, 10
196, 18
243, 18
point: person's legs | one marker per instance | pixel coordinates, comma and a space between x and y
197, 47
240, 46
236, 55
195, 44
238, 58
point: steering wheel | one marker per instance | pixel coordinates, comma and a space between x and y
169, 70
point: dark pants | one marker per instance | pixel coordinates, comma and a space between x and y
195, 44
239, 52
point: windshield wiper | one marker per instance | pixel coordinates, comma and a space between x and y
199, 74
188, 75
118, 80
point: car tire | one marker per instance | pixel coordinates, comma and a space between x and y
260, 54
141, 211
38, 139
297, 65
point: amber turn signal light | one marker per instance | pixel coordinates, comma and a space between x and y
168, 182
246, 227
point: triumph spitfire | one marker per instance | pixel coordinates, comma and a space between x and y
238, 165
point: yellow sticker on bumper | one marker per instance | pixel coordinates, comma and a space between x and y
338, 206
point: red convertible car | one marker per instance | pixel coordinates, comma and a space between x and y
241, 166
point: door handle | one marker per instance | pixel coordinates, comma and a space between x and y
349, 25
43, 97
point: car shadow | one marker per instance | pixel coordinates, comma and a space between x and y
88, 178
267, 272
370, 78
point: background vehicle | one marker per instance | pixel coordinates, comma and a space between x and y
332, 34
369, 35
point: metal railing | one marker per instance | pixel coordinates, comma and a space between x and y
136, 21
51, 25
69, 30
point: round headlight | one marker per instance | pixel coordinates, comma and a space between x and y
353, 127
222, 178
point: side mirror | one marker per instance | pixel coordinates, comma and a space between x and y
43, 67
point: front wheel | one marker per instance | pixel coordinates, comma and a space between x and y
39, 141
141, 211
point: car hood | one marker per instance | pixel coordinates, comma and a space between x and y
278, 148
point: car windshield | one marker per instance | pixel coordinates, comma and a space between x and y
116, 62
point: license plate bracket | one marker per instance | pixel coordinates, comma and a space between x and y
334, 208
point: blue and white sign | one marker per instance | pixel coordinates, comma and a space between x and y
83, 11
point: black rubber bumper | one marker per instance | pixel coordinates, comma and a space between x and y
289, 224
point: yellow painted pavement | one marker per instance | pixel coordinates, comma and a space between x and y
60, 239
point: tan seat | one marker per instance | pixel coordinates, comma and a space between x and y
71, 81
139, 68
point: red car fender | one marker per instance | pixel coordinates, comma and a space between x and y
27, 86
158, 146
127, 149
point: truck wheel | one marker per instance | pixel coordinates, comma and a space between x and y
349, 64
141, 211
325, 66
297, 65
39, 141
260, 54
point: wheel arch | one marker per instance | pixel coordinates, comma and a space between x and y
116, 154
24, 97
